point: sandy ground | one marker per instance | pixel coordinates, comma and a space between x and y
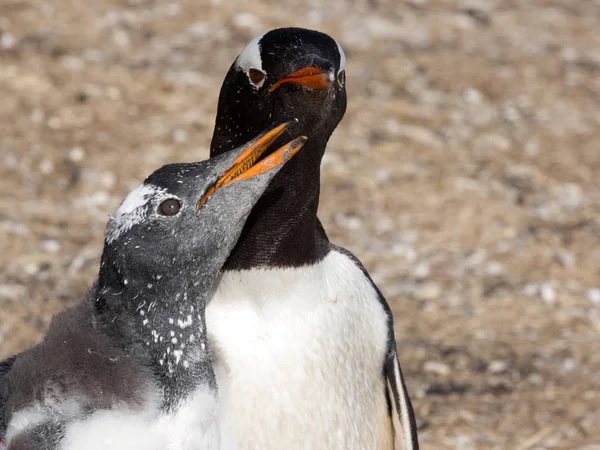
464, 175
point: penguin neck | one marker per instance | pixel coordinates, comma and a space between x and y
163, 322
282, 230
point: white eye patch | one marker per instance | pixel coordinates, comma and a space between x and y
250, 56
133, 210
342, 58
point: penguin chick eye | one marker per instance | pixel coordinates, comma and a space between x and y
257, 76
170, 207
341, 77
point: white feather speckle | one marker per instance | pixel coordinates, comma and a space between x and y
185, 323
178, 354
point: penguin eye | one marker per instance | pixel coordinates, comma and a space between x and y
341, 77
170, 207
257, 76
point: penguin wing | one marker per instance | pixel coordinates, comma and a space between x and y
401, 409
403, 415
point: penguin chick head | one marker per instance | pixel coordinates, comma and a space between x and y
184, 220
286, 72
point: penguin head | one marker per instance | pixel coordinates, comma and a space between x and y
286, 72
185, 218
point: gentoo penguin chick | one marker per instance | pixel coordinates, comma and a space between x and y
303, 339
129, 367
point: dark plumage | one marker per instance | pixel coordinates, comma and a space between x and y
288, 209
136, 343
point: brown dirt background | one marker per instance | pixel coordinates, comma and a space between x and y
464, 175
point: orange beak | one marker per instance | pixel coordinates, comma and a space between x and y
245, 165
311, 77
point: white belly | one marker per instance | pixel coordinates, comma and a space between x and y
193, 426
299, 356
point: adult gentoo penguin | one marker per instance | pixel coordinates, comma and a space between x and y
303, 339
129, 367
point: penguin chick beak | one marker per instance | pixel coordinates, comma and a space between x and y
245, 166
310, 77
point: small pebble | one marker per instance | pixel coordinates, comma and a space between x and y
31, 268
199, 29
569, 365
54, 123
121, 39
569, 54
548, 293
46, 167
463, 442
173, 9
7, 41
593, 295
567, 259
247, 21
113, 93
108, 179
429, 292
37, 115
50, 246
72, 63
531, 290
180, 135
76, 154
536, 379
497, 366
472, 96
494, 268
421, 271
12, 291
348, 222
436, 367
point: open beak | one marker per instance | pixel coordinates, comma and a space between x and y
245, 166
311, 77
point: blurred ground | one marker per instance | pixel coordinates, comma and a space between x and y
464, 175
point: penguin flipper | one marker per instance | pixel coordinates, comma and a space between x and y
401, 409
403, 415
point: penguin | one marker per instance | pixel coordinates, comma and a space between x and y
303, 340
128, 367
